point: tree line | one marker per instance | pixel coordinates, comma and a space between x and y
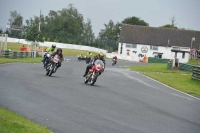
68, 26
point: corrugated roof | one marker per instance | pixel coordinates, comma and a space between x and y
158, 36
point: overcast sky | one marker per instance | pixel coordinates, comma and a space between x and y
154, 12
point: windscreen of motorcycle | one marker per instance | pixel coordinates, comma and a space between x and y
56, 58
48, 54
99, 62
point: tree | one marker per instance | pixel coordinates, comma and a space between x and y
34, 35
16, 22
172, 26
169, 26
88, 35
108, 37
134, 21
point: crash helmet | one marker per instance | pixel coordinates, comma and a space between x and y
59, 49
53, 46
100, 55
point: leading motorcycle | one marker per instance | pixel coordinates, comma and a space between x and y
52, 65
93, 73
114, 62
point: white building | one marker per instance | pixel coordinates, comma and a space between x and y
152, 41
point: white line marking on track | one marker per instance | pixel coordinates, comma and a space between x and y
180, 96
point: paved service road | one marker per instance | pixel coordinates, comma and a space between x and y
120, 102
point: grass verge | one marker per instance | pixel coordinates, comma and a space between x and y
13, 123
23, 60
180, 80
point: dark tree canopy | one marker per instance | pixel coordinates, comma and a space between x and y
134, 21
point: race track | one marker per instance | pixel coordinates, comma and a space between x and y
120, 101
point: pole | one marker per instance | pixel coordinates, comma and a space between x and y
191, 44
6, 35
39, 26
40, 20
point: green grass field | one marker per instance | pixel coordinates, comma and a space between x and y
195, 61
13, 123
180, 80
66, 52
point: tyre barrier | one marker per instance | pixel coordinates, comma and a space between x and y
157, 60
185, 67
182, 66
169, 65
196, 73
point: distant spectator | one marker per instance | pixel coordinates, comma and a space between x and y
28, 49
39, 52
39, 49
145, 58
45, 49
194, 53
22, 49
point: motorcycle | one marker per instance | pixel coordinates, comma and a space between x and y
45, 62
81, 57
52, 65
93, 73
114, 62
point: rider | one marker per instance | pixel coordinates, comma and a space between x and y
50, 49
115, 58
100, 56
81, 55
89, 54
59, 52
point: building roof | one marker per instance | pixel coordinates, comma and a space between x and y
158, 36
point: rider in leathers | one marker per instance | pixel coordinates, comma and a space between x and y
100, 56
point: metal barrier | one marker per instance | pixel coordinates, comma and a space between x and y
17, 54
196, 73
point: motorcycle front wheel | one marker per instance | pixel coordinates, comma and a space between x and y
94, 80
47, 72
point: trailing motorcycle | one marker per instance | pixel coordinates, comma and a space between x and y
93, 73
52, 65
81, 57
46, 59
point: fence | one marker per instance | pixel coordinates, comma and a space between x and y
16, 54
196, 73
157, 60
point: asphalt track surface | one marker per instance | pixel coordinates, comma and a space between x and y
120, 102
